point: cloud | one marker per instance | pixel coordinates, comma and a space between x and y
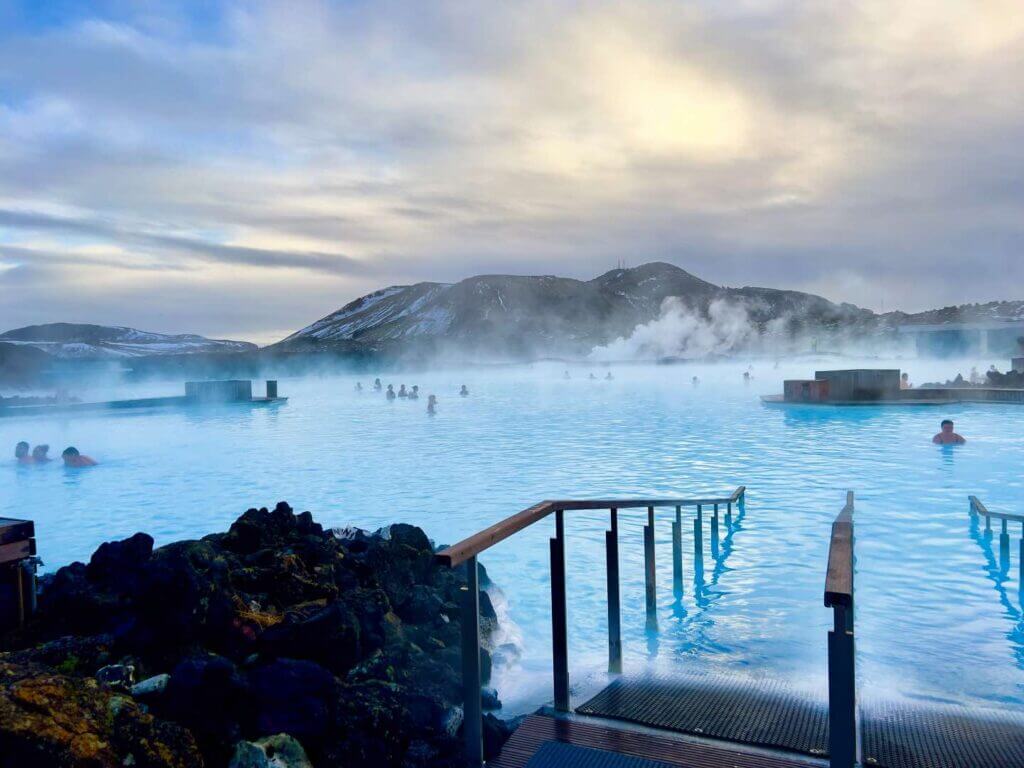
865, 150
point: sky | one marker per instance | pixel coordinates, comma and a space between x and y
240, 169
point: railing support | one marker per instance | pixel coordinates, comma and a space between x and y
1004, 548
844, 730
649, 573
698, 544
559, 622
611, 540
728, 516
472, 720
714, 534
677, 554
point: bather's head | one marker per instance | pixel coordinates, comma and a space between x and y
947, 426
21, 450
40, 451
70, 452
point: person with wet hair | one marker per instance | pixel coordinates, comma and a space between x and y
402, 392
21, 453
414, 393
464, 392
359, 386
40, 454
947, 436
431, 405
391, 392
376, 385
72, 458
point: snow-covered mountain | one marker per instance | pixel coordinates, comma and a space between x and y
512, 316
80, 341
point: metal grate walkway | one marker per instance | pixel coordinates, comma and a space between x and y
769, 714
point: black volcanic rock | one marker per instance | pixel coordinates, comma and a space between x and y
349, 645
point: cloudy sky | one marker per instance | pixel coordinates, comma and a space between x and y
240, 169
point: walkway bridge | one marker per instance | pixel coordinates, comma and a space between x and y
714, 721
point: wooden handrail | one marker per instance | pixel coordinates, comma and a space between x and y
839, 577
978, 508
488, 537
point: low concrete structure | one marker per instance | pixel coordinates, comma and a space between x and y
231, 391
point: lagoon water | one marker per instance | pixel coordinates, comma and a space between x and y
937, 618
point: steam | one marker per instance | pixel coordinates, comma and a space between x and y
680, 331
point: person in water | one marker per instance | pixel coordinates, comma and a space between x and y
72, 458
40, 454
359, 386
431, 405
608, 376
464, 392
21, 453
905, 381
376, 385
947, 436
391, 392
592, 377
414, 393
746, 377
566, 376
695, 381
402, 392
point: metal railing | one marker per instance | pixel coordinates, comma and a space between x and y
843, 717
977, 509
467, 550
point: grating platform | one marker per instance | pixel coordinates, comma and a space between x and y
556, 754
769, 714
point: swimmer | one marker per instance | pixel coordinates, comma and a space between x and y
39, 454
464, 392
608, 376
376, 385
402, 392
391, 392
905, 381
431, 405
947, 436
592, 377
359, 386
21, 453
72, 458
566, 376
695, 381
414, 393
746, 377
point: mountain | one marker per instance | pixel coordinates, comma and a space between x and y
505, 316
79, 341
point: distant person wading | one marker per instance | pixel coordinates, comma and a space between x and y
947, 436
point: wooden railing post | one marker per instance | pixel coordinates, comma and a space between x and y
559, 621
649, 573
843, 717
714, 534
611, 539
472, 709
677, 554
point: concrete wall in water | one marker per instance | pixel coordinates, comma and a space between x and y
232, 391
862, 384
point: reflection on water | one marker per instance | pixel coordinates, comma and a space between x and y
927, 623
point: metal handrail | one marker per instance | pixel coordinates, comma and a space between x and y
839, 576
977, 508
465, 553
473, 545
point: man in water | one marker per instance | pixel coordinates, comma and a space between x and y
376, 385
414, 393
39, 454
464, 392
21, 453
359, 386
72, 458
905, 381
947, 436
431, 405
391, 392
402, 392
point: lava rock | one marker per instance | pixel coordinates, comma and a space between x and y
280, 751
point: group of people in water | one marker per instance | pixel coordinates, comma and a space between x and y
413, 393
41, 455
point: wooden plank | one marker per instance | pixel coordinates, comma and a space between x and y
15, 530
17, 550
839, 576
536, 730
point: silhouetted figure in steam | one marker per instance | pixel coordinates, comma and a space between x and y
21, 453
74, 459
947, 436
414, 393
746, 377
359, 386
608, 376
695, 381
975, 377
464, 392
905, 381
592, 377
391, 392
402, 392
40, 454
431, 405
566, 376
376, 385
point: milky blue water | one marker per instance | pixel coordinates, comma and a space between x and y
937, 616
